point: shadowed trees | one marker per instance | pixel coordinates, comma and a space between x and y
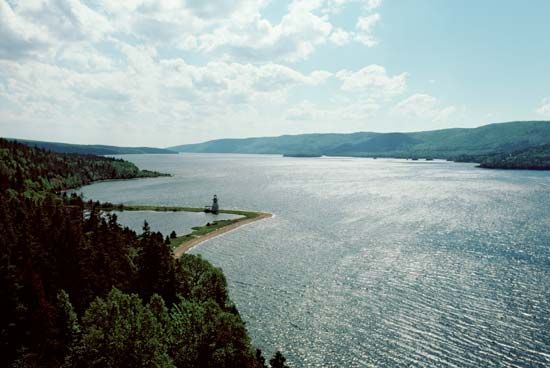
278, 360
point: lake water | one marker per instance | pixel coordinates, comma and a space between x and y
384, 263
166, 222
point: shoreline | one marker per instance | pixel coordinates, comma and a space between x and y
200, 234
187, 245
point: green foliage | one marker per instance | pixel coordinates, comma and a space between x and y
119, 331
204, 335
535, 158
200, 281
32, 170
69, 326
157, 267
84, 257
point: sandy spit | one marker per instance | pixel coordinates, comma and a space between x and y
187, 245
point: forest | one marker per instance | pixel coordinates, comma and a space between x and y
533, 158
34, 171
79, 290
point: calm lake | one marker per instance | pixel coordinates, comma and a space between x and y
384, 263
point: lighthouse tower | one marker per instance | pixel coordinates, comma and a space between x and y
215, 205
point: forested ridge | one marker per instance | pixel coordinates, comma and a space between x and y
31, 169
494, 142
79, 290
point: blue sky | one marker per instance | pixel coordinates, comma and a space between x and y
167, 72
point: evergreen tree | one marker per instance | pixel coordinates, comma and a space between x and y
260, 360
156, 265
278, 360
69, 327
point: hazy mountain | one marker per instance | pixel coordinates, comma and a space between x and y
93, 149
310, 143
446, 143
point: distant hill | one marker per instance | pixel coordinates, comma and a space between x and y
445, 144
93, 149
305, 143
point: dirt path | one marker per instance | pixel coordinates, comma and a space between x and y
185, 246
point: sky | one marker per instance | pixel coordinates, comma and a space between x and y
168, 72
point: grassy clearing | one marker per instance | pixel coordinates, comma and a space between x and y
199, 231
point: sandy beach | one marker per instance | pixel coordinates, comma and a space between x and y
187, 245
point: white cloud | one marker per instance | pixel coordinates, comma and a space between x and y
147, 87
544, 108
232, 30
335, 6
373, 80
340, 37
83, 57
365, 29
18, 37
69, 20
217, 8
373, 4
423, 106
294, 38
186, 66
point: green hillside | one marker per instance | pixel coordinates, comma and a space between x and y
446, 144
93, 149
308, 143
503, 137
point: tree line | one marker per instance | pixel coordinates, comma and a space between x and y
79, 290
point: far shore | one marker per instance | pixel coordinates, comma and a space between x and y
182, 244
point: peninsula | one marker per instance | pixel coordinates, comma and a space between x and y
180, 244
